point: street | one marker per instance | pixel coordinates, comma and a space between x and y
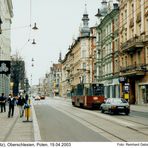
58, 120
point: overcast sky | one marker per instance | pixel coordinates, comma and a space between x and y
58, 22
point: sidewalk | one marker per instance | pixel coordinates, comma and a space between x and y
14, 129
140, 108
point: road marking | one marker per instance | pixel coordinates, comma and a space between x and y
37, 136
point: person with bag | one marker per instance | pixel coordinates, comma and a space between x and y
20, 103
11, 102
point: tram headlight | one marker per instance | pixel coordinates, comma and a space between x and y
95, 98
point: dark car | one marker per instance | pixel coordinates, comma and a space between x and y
42, 97
115, 105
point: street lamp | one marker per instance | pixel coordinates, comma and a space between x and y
35, 27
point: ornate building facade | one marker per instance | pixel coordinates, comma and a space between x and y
133, 33
107, 50
78, 66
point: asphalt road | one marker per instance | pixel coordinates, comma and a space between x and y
59, 121
57, 126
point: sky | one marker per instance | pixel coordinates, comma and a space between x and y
58, 22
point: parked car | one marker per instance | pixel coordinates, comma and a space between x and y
115, 105
37, 97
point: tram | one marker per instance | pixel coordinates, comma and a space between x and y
88, 95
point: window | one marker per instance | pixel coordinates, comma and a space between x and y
0, 25
116, 65
126, 62
139, 57
122, 62
131, 59
83, 53
139, 29
125, 14
84, 65
132, 10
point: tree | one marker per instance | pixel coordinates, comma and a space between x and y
17, 73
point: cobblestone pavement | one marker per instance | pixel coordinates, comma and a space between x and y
14, 129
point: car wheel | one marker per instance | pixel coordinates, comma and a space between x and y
110, 111
102, 110
127, 112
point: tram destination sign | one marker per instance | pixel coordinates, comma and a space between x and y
5, 67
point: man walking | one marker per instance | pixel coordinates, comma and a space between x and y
11, 101
3, 102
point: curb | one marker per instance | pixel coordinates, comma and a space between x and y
37, 136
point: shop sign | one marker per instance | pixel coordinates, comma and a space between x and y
126, 87
122, 79
5, 67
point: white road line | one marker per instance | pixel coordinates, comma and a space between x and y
37, 136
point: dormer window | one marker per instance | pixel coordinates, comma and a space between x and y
0, 25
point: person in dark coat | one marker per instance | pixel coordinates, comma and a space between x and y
20, 103
3, 102
11, 102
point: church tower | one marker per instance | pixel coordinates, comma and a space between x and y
85, 30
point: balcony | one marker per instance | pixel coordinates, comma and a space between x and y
134, 43
136, 70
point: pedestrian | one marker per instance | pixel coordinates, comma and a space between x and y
11, 102
3, 102
21, 101
26, 98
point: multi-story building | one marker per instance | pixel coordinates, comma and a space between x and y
6, 14
55, 81
78, 63
107, 50
133, 33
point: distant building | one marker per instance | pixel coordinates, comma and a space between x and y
56, 75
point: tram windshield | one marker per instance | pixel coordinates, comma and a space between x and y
90, 90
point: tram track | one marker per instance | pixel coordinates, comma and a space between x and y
74, 112
88, 123
127, 118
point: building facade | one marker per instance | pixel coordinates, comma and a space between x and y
56, 77
133, 33
6, 14
107, 50
78, 64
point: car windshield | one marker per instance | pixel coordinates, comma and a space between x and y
118, 101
